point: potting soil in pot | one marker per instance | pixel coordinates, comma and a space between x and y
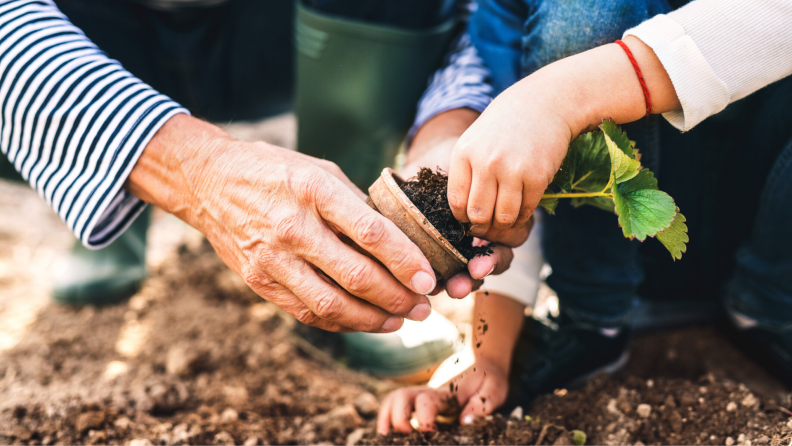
429, 192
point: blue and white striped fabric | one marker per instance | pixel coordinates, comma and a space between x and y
462, 82
73, 122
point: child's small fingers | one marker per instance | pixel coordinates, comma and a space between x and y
481, 203
489, 397
401, 410
494, 392
425, 412
461, 284
384, 416
459, 180
510, 237
533, 188
527, 206
493, 264
508, 204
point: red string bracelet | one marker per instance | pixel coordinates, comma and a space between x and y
640, 76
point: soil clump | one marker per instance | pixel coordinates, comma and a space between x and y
429, 192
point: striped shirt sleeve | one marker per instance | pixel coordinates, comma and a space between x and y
73, 122
463, 82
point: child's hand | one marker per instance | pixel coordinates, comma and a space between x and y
433, 146
480, 390
503, 163
505, 160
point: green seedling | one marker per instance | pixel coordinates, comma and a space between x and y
603, 169
578, 437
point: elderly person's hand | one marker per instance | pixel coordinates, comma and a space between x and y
277, 218
432, 147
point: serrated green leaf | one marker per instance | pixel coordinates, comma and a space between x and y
624, 168
578, 437
549, 204
591, 163
642, 212
617, 135
644, 180
602, 169
675, 237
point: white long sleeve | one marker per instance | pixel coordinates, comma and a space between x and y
521, 281
719, 51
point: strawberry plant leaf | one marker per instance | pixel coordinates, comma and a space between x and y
644, 180
624, 168
549, 204
617, 135
586, 167
643, 212
603, 169
675, 236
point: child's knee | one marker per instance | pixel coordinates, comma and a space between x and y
555, 30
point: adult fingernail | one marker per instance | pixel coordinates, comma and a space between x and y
422, 282
392, 324
420, 312
478, 230
490, 271
468, 419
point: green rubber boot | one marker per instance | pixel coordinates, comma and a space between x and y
105, 276
410, 354
358, 86
7, 171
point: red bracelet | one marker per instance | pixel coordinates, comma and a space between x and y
640, 77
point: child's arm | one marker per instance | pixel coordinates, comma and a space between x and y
480, 389
503, 163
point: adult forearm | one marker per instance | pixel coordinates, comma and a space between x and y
165, 173
445, 127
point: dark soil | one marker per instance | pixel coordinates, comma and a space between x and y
197, 358
429, 192
678, 388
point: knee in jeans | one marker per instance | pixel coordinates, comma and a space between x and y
556, 30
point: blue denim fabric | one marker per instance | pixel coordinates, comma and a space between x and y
762, 286
730, 176
517, 37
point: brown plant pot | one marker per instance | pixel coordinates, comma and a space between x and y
387, 198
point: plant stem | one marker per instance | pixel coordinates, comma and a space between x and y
579, 195
574, 185
610, 181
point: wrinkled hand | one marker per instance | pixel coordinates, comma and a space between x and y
482, 388
275, 217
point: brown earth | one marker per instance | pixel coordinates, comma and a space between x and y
195, 357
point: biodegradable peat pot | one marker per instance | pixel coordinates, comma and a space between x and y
387, 198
